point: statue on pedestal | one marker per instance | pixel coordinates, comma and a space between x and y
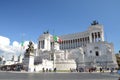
30, 50
94, 23
29, 58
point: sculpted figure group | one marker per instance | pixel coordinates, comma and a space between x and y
30, 50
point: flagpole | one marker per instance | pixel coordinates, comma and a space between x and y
22, 43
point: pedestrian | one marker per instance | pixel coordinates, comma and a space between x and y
77, 69
111, 70
49, 69
55, 69
100, 69
46, 69
43, 70
89, 70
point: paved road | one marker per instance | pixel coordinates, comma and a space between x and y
57, 76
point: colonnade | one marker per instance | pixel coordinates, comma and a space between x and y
96, 37
77, 42
80, 42
41, 44
74, 43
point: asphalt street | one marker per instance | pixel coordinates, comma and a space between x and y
57, 76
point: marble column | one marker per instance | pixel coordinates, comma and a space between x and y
90, 38
98, 36
94, 37
63, 44
102, 36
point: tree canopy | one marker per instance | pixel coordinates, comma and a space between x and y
118, 59
0, 58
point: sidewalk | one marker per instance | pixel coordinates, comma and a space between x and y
58, 72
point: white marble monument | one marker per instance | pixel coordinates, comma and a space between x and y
88, 48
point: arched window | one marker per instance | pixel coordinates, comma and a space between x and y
97, 53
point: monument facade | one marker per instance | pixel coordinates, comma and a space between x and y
87, 49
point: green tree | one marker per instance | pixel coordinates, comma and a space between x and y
119, 51
118, 59
0, 59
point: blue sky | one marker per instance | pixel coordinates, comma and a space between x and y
33, 17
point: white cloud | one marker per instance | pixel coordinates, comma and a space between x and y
15, 44
4, 40
5, 47
26, 44
35, 46
15, 49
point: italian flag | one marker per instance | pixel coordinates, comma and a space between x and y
57, 39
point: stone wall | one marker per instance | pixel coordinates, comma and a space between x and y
65, 65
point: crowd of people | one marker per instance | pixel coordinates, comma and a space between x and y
49, 70
19, 67
94, 69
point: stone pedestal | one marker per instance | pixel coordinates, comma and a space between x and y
29, 63
56, 46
